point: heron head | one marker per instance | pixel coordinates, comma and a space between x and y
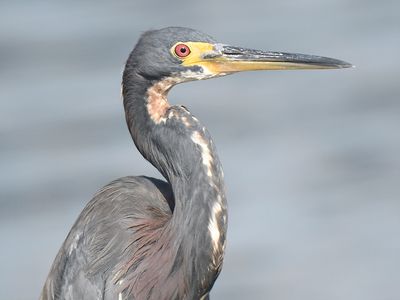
187, 54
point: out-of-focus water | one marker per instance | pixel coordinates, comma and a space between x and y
311, 157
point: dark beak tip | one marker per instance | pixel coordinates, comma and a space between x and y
335, 63
345, 64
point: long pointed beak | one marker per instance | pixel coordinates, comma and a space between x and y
229, 59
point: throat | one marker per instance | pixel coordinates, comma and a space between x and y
157, 104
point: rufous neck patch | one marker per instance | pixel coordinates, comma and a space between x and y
157, 103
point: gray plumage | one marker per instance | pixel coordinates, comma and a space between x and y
142, 238
102, 240
139, 237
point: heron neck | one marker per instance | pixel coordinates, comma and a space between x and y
183, 151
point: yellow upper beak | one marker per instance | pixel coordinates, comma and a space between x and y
220, 59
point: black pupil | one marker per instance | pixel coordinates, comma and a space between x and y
183, 50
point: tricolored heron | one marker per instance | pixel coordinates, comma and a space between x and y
144, 238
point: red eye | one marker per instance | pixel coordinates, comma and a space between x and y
182, 50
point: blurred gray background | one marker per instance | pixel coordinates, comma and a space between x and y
311, 158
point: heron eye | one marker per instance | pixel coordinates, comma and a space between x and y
182, 50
